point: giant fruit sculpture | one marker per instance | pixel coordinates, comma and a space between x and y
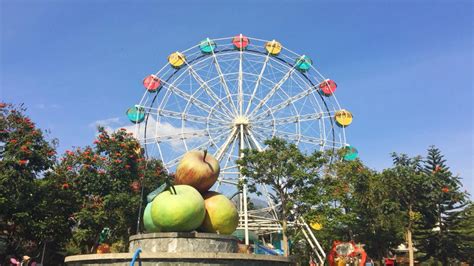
198, 169
181, 208
221, 215
182, 211
148, 221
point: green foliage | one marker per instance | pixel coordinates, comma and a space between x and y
25, 155
436, 233
66, 204
352, 203
464, 230
287, 171
106, 180
284, 168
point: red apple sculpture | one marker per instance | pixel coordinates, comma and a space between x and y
197, 169
221, 215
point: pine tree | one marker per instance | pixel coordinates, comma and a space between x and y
466, 228
437, 236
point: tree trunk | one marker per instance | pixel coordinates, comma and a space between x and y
286, 251
409, 237
284, 223
410, 247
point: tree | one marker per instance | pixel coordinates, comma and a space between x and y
24, 158
106, 181
410, 187
287, 171
465, 228
436, 234
352, 202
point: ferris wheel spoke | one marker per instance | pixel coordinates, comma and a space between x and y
257, 83
226, 167
204, 145
188, 97
259, 136
285, 103
272, 91
223, 81
208, 90
224, 146
178, 115
240, 82
293, 119
293, 136
185, 135
254, 140
234, 166
304, 138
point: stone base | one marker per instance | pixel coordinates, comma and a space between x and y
183, 242
181, 249
178, 259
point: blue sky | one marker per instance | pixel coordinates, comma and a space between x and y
404, 68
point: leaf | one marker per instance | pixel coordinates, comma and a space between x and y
156, 192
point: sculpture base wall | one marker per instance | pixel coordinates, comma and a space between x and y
178, 259
180, 249
183, 242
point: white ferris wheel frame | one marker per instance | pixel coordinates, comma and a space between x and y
238, 117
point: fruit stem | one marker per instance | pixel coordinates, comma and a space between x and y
173, 190
170, 185
205, 154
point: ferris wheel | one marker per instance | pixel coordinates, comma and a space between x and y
227, 94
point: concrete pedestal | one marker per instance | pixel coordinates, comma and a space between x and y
184, 242
180, 249
179, 259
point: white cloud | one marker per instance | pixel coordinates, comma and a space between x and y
43, 106
110, 124
156, 129
153, 129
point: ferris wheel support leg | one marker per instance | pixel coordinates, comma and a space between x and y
244, 189
224, 147
313, 247
313, 238
246, 221
265, 190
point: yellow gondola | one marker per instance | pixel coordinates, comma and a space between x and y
177, 59
343, 118
273, 47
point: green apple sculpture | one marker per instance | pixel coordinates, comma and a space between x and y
221, 215
148, 222
197, 169
181, 210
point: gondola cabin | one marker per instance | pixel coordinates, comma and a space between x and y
177, 59
136, 114
273, 47
152, 83
343, 118
207, 46
328, 87
240, 42
303, 63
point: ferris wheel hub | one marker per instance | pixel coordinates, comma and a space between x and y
241, 120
